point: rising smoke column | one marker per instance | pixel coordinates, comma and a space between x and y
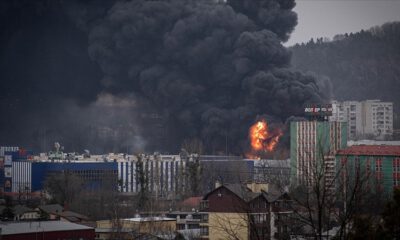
209, 67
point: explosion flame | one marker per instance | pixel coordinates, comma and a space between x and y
262, 139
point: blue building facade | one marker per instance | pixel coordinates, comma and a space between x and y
19, 174
93, 174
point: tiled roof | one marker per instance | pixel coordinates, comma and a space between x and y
375, 150
192, 202
19, 209
51, 208
241, 191
72, 216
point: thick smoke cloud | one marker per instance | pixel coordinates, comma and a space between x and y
200, 69
209, 67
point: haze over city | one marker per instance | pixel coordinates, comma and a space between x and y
208, 119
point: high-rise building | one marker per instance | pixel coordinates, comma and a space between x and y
313, 143
366, 118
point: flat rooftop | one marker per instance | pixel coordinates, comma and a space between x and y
11, 228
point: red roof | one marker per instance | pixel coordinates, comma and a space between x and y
376, 150
192, 202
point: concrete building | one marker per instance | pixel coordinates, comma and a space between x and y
313, 143
272, 171
166, 176
379, 163
372, 142
365, 118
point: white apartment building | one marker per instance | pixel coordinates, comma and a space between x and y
365, 118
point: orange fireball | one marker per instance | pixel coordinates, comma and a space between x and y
261, 139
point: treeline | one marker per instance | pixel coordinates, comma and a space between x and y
362, 65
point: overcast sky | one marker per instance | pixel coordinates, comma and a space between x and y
326, 18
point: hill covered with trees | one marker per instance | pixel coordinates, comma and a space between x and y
360, 66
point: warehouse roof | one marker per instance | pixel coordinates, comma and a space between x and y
11, 228
375, 150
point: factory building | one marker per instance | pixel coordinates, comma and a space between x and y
313, 143
380, 164
169, 175
365, 118
272, 171
30, 176
165, 176
22, 174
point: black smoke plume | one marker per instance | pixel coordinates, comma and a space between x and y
202, 69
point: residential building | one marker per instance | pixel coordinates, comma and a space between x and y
134, 228
23, 213
187, 223
51, 211
313, 143
365, 118
372, 142
380, 162
253, 211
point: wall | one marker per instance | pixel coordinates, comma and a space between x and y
224, 226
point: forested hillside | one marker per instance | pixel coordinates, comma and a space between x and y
363, 65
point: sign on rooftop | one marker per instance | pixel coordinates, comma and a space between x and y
320, 110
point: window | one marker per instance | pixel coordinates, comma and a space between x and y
378, 169
204, 204
259, 217
396, 172
378, 165
204, 230
396, 165
204, 217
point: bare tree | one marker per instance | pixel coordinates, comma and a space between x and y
327, 195
64, 188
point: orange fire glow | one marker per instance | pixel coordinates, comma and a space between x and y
262, 139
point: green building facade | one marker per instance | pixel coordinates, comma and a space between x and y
380, 165
310, 141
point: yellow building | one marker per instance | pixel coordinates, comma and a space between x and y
133, 228
223, 226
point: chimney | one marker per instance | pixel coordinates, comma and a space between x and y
217, 184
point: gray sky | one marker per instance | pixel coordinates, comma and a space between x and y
326, 18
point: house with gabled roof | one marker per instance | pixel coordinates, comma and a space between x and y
245, 211
23, 213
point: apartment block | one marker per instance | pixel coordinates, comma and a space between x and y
380, 164
370, 118
313, 143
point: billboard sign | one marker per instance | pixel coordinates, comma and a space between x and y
318, 110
